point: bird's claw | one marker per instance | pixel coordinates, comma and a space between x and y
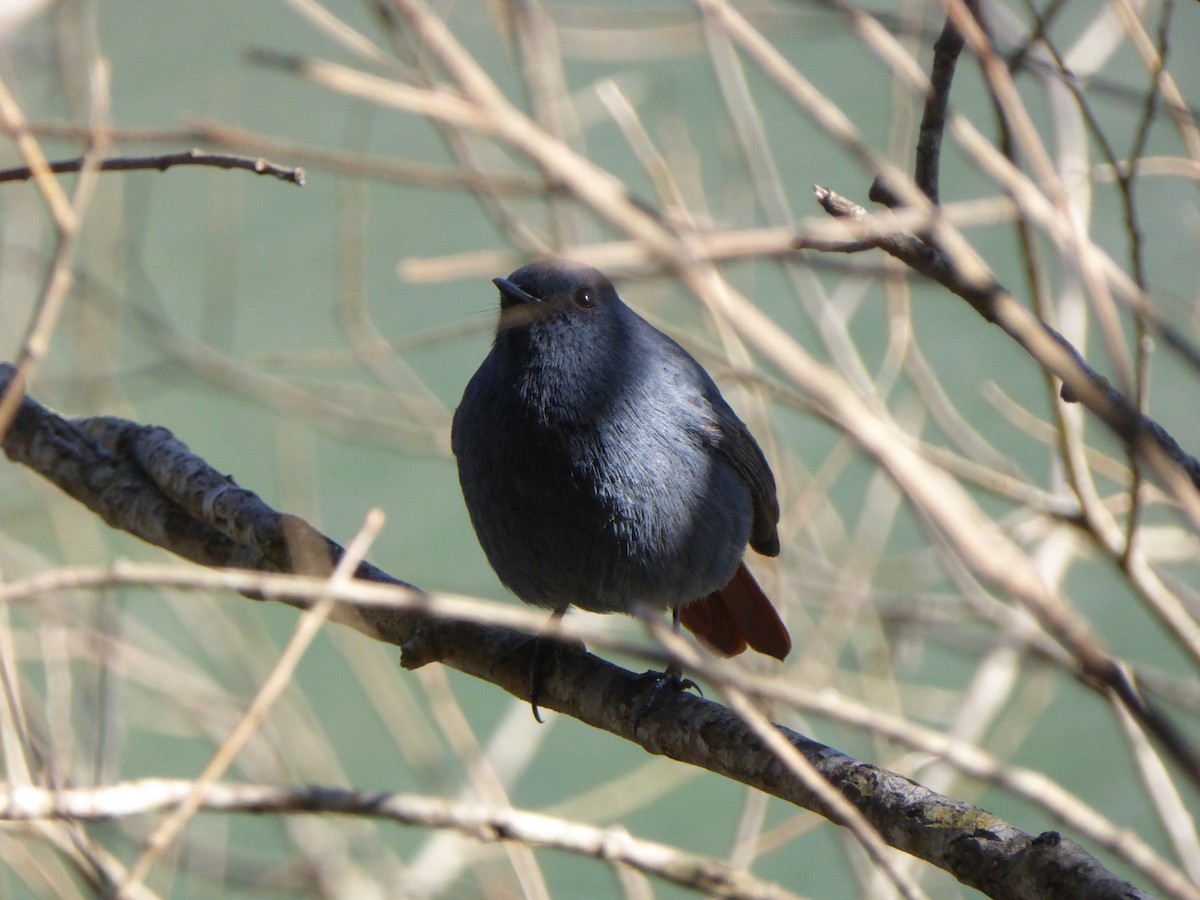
538, 664
671, 679
536, 675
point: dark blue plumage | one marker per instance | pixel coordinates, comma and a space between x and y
602, 468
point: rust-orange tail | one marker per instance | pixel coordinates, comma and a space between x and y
737, 616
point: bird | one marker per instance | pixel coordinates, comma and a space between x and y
602, 469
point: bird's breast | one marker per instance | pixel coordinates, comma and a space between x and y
598, 497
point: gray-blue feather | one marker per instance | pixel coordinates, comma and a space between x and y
599, 463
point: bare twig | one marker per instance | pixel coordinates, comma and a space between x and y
162, 162
933, 123
481, 822
170, 826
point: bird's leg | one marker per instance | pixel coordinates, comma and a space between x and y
671, 679
536, 667
674, 673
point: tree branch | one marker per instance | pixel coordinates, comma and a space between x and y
141, 480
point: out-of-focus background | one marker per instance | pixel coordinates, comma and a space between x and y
313, 342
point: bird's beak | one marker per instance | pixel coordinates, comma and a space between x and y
511, 295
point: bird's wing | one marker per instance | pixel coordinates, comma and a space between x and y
720, 429
733, 440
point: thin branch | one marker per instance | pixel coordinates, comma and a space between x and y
946, 51
161, 163
169, 828
1081, 383
484, 823
67, 217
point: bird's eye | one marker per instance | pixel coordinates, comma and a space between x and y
583, 299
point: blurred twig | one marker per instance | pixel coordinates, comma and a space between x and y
161, 163
483, 822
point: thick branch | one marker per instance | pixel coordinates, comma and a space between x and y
143, 481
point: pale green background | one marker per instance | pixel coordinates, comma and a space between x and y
249, 264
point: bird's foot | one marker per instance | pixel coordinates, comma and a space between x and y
670, 680
543, 660
543, 663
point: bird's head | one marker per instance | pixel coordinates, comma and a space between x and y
557, 295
